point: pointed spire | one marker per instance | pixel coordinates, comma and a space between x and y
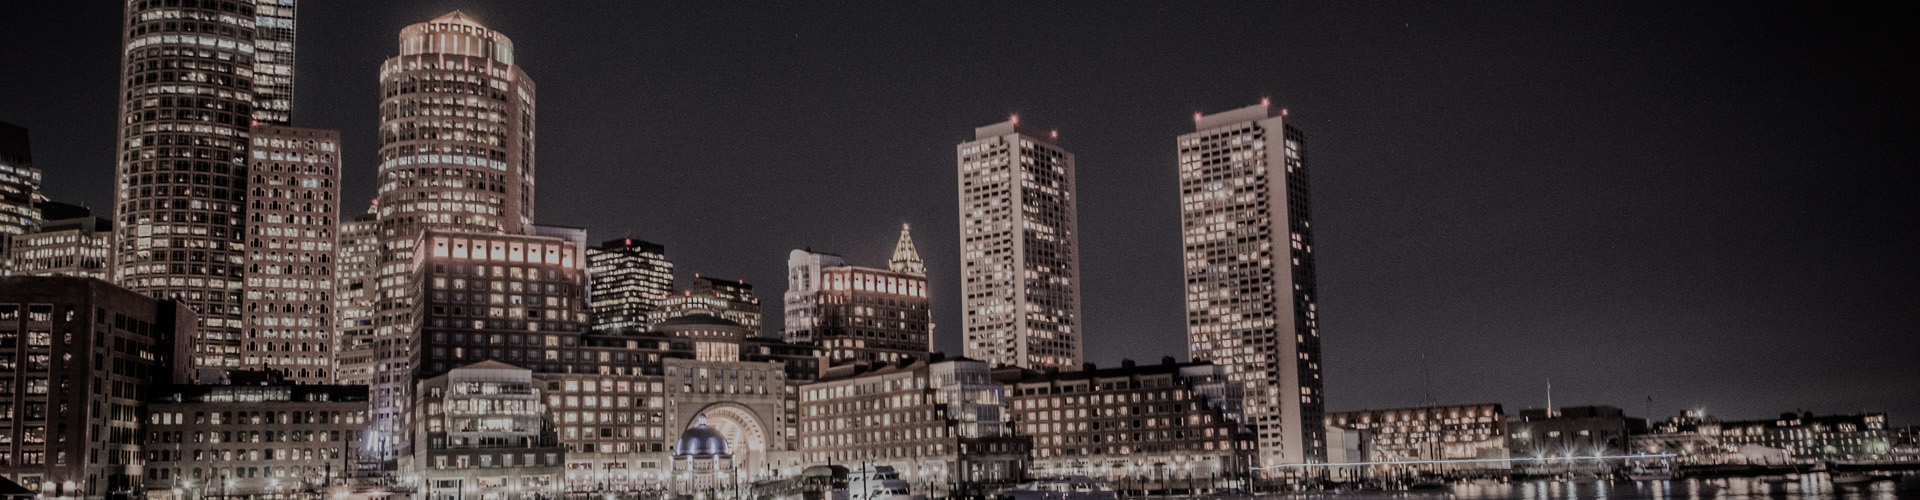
905, 258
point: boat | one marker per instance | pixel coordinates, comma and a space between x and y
1854, 477
1642, 473
876, 482
1485, 481
1062, 488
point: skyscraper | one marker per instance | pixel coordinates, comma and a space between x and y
1020, 253
186, 102
858, 313
630, 278
273, 22
19, 183
456, 151
1247, 233
355, 266
290, 258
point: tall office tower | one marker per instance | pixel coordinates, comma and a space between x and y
1248, 240
68, 240
19, 183
1019, 237
273, 32
186, 102
727, 299
858, 313
291, 218
353, 307
456, 151
630, 278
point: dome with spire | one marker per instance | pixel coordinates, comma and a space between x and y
905, 258
702, 441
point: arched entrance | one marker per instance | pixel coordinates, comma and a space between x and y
746, 435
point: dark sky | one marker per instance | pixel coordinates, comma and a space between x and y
1700, 203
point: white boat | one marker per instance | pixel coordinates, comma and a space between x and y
1854, 477
877, 482
1062, 488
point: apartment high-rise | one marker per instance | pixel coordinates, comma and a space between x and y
1247, 234
273, 22
1020, 252
629, 279
456, 151
291, 218
855, 313
186, 103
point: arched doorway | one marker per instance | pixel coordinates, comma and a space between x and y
746, 435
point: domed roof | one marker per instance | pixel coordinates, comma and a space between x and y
697, 319
701, 440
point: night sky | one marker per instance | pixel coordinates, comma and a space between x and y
1697, 203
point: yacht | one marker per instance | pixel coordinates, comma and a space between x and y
1062, 488
876, 482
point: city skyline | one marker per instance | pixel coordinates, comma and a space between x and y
1355, 350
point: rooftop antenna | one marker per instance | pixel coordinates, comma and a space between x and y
1550, 412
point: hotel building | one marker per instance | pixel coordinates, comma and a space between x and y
1159, 427
1247, 237
1020, 251
940, 424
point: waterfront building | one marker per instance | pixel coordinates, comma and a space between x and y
1020, 250
68, 240
859, 314
456, 154
355, 271
482, 431
729, 299
1247, 237
1699, 438
186, 106
252, 441
76, 356
273, 43
1153, 427
19, 185
1455, 432
291, 218
629, 279
1568, 433
940, 423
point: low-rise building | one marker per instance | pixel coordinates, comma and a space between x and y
68, 240
1570, 438
1171, 426
482, 431
252, 441
940, 424
1430, 433
77, 355
1699, 438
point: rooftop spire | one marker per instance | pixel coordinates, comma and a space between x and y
905, 258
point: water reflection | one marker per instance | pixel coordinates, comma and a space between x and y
1803, 487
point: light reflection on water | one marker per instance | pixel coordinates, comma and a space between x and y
1809, 487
